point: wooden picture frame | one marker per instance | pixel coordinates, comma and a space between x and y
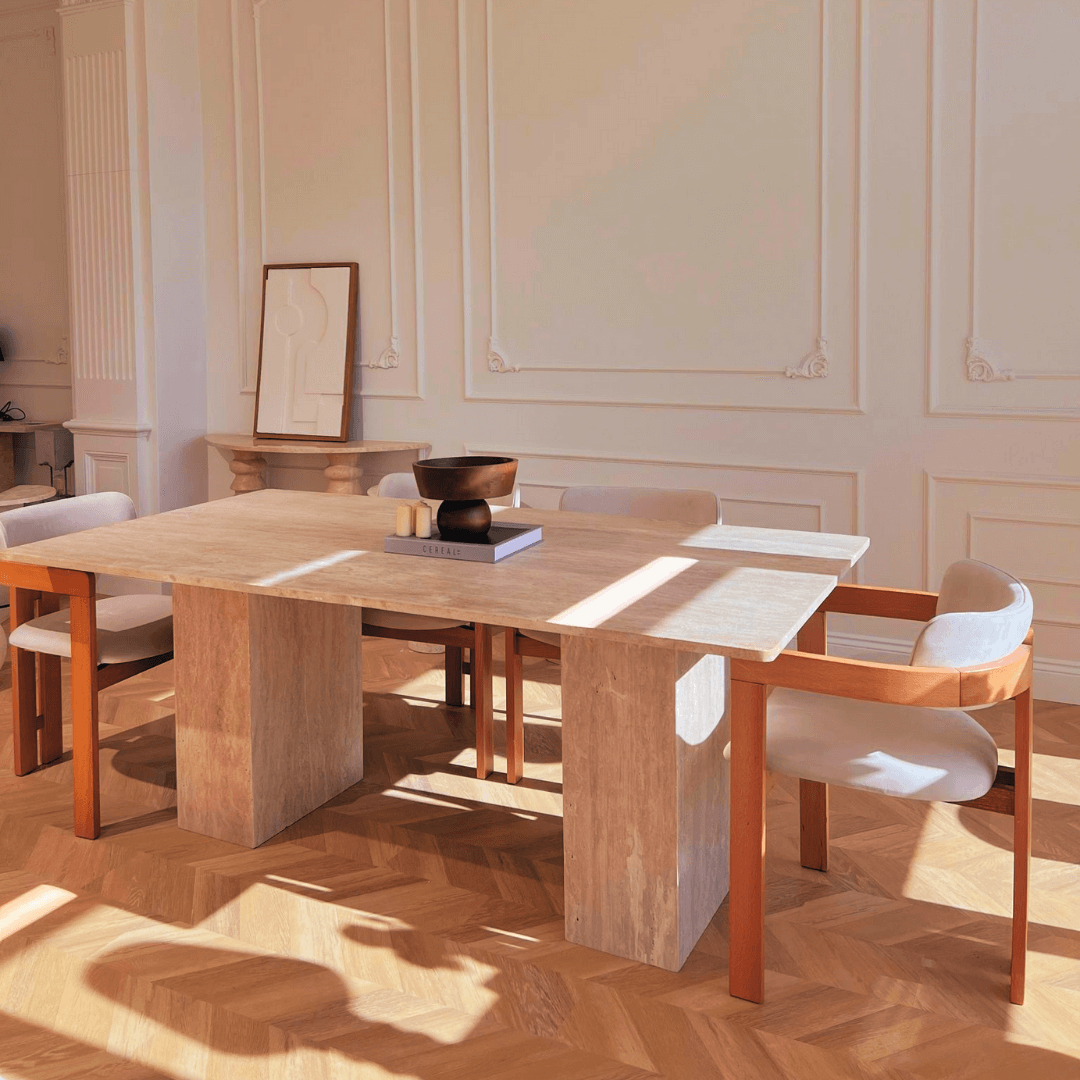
262, 425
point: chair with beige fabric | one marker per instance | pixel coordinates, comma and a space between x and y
455, 637
134, 633
895, 730
691, 506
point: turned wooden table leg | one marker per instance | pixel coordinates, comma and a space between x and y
344, 475
249, 471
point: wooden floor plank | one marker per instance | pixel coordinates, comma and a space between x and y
412, 927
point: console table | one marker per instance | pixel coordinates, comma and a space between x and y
344, 475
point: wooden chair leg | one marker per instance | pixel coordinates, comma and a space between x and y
1021, 847
814, 825
480, 677
746, 905
813, 796
470, 667
453, 663
23, 688
84, 716
50, 706
515, 711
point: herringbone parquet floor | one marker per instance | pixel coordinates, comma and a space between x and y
411, 927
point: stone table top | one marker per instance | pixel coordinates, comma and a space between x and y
724, 589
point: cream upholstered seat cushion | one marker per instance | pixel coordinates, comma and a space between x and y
129, 628
911, 753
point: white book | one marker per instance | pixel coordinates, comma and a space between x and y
503, 538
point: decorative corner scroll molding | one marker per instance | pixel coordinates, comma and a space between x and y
979, 369
46, 35
62, 356
496, 361
814, 365
390, 357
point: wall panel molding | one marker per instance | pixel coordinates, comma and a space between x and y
106, 470
390, 357
1008, 501
837, 506
980, 363
813, 365
43, 36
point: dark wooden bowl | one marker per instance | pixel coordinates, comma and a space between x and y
464, 484
465, 478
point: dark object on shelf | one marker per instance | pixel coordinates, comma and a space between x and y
8, 411
465, 484
502, 539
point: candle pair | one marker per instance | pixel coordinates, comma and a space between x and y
413, 519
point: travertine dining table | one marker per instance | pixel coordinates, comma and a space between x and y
268, 593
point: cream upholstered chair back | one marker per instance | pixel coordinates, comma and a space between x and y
983, 614
398, 485
402, 485
659, 504
43, 521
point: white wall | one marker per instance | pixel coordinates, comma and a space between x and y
817, 255
36, 375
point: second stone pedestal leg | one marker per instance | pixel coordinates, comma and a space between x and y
343, 474
645, 793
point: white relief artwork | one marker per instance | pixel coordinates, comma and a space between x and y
304, 351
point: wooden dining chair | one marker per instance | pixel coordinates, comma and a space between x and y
134, 634
467, 646
658, 504
895, 730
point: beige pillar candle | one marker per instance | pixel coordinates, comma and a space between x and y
404, 520
423, 520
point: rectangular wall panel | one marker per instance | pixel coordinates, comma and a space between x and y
1004, 235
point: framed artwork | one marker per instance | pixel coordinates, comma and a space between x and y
306, 348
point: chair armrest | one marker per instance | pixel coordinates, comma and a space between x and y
936, 688
882, 602
1004, 679
894, 684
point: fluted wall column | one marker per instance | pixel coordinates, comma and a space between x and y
111, 361
133, 131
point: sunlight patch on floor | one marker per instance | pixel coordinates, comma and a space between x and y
25, 910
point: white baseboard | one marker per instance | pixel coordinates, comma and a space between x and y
1055, 680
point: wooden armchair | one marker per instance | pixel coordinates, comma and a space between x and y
910, 737
127, 634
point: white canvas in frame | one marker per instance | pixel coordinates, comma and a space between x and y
308, 336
